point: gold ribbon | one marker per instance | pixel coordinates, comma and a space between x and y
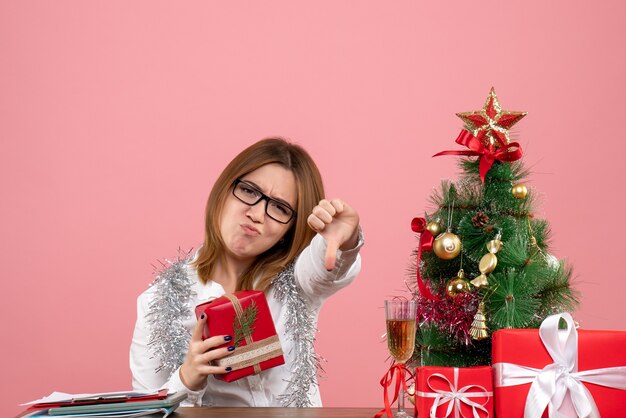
254, 352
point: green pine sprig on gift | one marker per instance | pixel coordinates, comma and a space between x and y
245, 326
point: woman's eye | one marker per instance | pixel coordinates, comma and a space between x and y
282, 209
247, 190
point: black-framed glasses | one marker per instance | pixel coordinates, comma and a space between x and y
250, 195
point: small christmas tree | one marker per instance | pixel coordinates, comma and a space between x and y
483, 260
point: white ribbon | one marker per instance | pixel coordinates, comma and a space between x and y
551, 384
455, 396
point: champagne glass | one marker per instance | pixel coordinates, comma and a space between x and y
400, 315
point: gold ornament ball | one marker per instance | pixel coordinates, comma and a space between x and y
519, 191
456, 286
434, 227
447, 246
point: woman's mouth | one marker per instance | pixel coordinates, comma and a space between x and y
250, 230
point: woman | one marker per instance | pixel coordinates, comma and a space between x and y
268, 227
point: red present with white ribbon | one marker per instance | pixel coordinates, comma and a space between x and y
454, 392
554, 372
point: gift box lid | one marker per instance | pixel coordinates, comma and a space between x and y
221, 315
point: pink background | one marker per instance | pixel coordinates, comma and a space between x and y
116, 117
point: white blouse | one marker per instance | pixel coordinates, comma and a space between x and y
316, 284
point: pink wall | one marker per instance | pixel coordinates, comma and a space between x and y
117, 116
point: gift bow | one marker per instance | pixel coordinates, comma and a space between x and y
488, 155
551, 384
455, 396
426, 244
399, 371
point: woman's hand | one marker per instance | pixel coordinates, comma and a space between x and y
197, 367
338, 223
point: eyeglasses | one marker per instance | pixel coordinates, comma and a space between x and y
250, 195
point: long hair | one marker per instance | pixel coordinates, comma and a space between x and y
310, 191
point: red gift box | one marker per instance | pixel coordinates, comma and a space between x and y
454, 392
246, 316
561, 358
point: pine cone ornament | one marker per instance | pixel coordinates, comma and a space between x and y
480, 220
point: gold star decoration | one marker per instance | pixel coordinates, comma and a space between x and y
491, 124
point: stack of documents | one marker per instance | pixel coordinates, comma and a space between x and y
105, 405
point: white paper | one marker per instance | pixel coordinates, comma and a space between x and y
56, 397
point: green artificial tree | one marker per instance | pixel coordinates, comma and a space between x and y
483, 259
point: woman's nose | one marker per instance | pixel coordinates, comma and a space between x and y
256, 212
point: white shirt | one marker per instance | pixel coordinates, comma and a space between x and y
316, 285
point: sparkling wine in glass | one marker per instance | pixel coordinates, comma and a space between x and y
400, 315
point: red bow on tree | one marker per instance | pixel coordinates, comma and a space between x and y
426, 243
487, 154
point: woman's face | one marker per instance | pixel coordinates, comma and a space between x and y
247, 230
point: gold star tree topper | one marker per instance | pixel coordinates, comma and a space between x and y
491, 124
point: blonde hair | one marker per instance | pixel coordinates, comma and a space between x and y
310, 190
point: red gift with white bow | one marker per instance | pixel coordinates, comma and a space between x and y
454, 392
559, 373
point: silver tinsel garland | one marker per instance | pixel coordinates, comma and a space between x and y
169, 339
301, 329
